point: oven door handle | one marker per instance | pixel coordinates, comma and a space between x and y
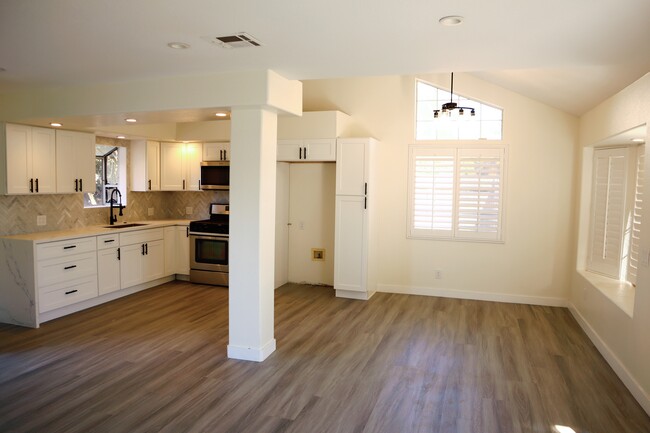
202, 235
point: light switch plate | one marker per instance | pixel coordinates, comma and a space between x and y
150, 211
189, 210
41, 220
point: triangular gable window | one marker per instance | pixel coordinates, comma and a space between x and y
485, 125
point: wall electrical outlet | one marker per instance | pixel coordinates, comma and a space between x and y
189, 210
41, 220
437, 274
301, 225
150, 211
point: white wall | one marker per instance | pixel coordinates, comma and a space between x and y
623, 340
534, 263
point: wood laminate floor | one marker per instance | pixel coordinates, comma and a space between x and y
156, 361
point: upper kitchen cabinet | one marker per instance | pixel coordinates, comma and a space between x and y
309, 150
216, 151
180, 166
28, 157
75, 162
352, 165
145, 165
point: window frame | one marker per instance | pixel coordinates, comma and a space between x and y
458, 96
454, 234
106, 187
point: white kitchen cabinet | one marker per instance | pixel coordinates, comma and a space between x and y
108, 263
75, 162
355, 233
66, 272
145, 165
142, 256
29, 159
177, 250
180, 166
312, 150
216, 151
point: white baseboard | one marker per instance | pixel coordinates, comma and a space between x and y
478, 296
352, 294
619, 368
257, 354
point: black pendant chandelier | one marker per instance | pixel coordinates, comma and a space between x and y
450, 106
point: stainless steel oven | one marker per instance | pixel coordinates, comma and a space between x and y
209, 258
209, 247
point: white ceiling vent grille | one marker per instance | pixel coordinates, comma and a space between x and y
239, 40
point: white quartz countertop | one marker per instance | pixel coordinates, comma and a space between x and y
61, 235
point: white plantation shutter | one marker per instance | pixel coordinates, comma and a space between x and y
432, 192
608, 211
478, 205
635, 241
456, 193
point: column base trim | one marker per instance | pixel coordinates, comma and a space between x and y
257, 354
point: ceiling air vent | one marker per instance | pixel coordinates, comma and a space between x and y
239, 40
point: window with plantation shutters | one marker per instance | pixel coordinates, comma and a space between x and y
616, 212
456, 193
635, 235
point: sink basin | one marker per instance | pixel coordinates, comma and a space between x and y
123, 226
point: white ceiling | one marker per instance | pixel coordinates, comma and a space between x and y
568, 54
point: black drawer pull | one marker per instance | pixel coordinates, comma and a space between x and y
109, 241
71, 291
81, 185
69, 247
76, 185
70, 267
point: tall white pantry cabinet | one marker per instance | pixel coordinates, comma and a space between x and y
356, 220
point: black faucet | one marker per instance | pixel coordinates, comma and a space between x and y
111, 200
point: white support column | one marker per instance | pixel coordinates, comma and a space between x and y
252, 233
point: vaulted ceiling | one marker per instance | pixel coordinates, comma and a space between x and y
568, 54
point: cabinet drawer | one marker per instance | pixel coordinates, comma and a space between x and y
64, 269
108, 241
62, 294
140, 236
65, 248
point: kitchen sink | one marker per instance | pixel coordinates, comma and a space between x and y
123, 226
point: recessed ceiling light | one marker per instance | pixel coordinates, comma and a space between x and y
221, 114
178, 45
451, 20
55, 124
121, 137
638, 140
130, 120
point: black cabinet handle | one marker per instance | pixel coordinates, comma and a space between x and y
183, 184
365, 189
225, 155
71, 291
70, 267
118, 254
31, 185
305, 151
199, 183
146, 249
81, 185
220, 154
69, 247
300, 153
365, 202
36, 184
109, 241
143, 249
187, 232
76, 185
149, 184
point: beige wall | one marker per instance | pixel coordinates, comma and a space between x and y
534, 263
624, 340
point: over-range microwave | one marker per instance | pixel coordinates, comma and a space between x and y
215, 175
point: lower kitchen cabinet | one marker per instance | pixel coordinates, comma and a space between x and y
177, 250
141, 262
108, 270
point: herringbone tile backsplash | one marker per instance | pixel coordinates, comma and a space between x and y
65, 211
